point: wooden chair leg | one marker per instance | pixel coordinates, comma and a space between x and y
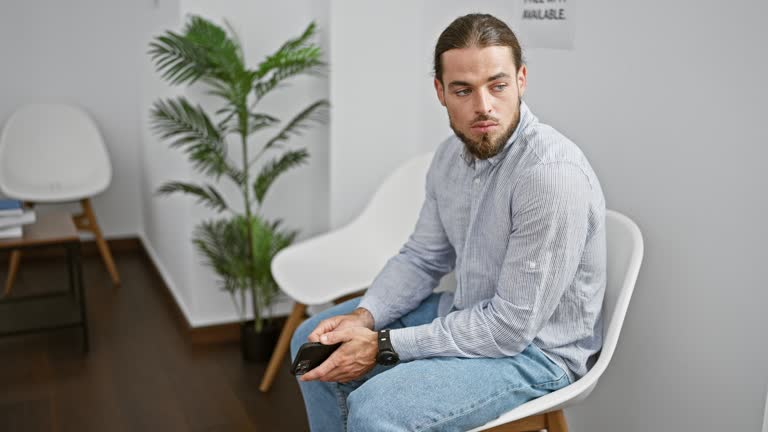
13, 268
551, 422
283, 345
556, 422
87, 221
533, 423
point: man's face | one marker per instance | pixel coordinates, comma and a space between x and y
481, 92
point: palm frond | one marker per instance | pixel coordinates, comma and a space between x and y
204, 51
315, 113
178, 60
258, 121
224, 244
191, 129
205, 195
294, 57
274, 168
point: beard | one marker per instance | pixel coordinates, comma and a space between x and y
487, 145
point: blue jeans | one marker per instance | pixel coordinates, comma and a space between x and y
433, 394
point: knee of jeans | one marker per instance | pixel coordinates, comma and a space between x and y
371, 408
360, 411
300, 335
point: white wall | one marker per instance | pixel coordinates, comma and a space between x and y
166, 225
300, 197
668, 102
86, 53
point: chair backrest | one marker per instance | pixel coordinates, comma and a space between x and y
624, 255
52, 152
348, 259
391, 214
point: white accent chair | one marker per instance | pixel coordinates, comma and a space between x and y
53, 153
341, 263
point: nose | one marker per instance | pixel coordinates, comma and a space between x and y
483, 102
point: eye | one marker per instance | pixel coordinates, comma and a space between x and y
499, 87
462, 92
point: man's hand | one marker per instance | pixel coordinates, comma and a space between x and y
360, 317
354, 358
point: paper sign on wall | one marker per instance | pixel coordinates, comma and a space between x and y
546, 24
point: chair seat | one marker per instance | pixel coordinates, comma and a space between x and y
346, 266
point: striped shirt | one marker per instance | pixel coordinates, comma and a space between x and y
524, 232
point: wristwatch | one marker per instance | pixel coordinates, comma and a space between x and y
387, 355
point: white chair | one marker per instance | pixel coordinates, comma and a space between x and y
343, 262
625, 254
51, 153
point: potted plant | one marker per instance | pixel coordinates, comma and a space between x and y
238, 245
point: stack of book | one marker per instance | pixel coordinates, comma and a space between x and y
12, 217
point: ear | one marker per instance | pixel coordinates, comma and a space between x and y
522, 79
440, 91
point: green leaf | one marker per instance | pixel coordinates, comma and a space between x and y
206, 195
274, 168
191, 129
297, 56
258, 121
315, 113
179, 60
224, 245
204, 51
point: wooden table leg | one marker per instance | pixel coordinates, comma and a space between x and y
76, 278
13, 268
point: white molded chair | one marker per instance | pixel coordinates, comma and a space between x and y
625, 254
52, 153
345, 261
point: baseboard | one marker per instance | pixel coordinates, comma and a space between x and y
206, 333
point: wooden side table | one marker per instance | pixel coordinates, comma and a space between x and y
47, 311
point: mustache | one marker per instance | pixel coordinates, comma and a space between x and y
485, 117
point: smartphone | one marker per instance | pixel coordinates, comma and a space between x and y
310, 356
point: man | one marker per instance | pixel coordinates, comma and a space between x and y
515, 209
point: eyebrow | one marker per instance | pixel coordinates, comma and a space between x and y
466, 84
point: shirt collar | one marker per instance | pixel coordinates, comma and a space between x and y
525, 118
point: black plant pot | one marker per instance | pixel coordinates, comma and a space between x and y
258, 347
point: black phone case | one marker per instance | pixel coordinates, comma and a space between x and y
310, 356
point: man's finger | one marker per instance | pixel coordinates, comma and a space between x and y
337, 336
325, 326
325, 367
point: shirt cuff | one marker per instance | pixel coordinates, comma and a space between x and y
405, 343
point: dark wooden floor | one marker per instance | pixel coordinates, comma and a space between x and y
141, 373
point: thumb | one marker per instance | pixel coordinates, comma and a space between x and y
324, 327
335, 337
